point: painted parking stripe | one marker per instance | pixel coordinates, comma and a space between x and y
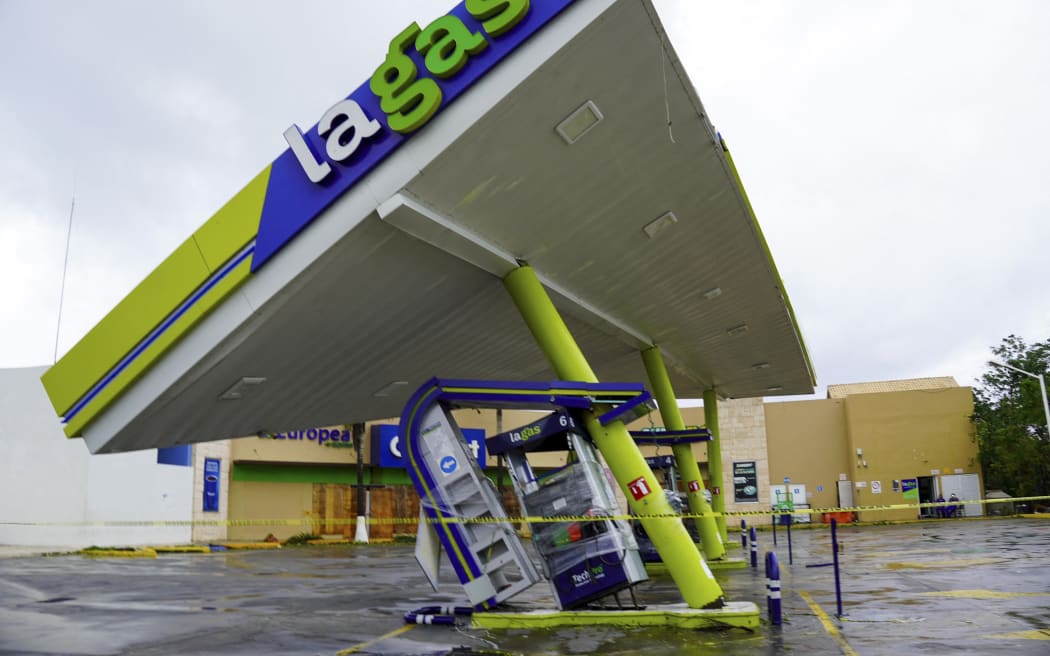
1036, 634
364, 645
829, 626
957, 563
983, 594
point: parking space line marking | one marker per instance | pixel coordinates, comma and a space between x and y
1037, 634
396, 632
828, 625
983, 594
957, 563
890, 554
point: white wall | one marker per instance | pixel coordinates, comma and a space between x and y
52, 489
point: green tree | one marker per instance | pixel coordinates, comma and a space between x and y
1010, 422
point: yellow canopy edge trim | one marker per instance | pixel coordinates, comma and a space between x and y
772, 263
157, 296
165, 341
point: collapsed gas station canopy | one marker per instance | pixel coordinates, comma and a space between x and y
572, 141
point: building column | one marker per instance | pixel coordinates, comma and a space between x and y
211, 526
685, 460
714, 461
684, 562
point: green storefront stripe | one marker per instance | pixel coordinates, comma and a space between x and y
252, 472
255, 472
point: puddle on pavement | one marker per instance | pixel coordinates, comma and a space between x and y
1037, 621
611, 641
56, 600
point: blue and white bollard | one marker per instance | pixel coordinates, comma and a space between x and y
754, 547
743, 535
773, 588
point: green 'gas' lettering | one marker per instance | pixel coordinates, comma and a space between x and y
447, 44
498, 16
407, 100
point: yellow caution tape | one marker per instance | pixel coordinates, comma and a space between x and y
402, 521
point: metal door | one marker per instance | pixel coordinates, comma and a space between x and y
845, 494
966, 487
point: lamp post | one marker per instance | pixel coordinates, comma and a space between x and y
1042, 387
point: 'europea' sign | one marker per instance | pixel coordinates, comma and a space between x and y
424, 70
335, 437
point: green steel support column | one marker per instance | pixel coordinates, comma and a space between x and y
710, 537
685, 564
714, 461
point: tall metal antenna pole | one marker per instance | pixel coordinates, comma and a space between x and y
65, 266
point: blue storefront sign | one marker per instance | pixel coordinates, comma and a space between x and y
387, 448
212, 473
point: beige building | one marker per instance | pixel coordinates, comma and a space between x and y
867, 444
878, 444
300, 483
871, 444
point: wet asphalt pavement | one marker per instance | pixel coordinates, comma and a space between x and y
948, 586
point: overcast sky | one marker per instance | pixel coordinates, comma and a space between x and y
897, 154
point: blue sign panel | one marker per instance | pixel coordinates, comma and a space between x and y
534, 436
181, 455
388, 451
660, 462
588, 580
211, 485
328, 159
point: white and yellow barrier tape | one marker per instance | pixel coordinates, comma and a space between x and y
397, 521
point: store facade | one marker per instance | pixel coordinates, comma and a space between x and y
309, 481
914, 437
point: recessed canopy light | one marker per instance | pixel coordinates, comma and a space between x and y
712, 293
390, 388
240, 388
737, 330
758, 366
580, 122
659, 224
775, 388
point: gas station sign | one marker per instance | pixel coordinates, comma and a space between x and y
387, 450
424, 70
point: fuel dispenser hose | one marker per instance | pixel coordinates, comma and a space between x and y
440, 615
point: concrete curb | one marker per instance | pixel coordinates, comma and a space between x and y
187, 548
119, 553
249, 545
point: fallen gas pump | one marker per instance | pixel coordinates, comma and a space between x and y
584, 560
585, 547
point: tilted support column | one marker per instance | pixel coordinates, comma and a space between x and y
714, 460
710, 537
640, 486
